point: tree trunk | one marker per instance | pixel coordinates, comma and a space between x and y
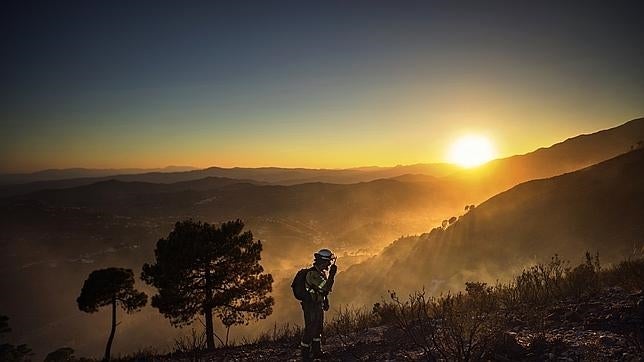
210, 332
207, 310
109, 340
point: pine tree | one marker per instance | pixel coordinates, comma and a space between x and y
202, 269
111, 286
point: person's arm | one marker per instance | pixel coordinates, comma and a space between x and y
318, 283
332, 270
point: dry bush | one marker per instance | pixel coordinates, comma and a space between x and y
629, 274
466, 326
542, 283
193, 344
350, 326
584, 279
384, 312
458, 327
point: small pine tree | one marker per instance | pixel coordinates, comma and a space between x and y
111, 286
64, 354
201, 269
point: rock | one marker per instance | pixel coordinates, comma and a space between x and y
607, 341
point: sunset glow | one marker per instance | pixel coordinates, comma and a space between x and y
470, 151
169, 167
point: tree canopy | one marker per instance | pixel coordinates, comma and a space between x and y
104, 286
204, 269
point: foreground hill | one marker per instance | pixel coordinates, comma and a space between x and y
598, 209
602, 331
549, 311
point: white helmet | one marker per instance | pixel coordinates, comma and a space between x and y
324, 254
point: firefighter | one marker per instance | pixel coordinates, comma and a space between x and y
318, 286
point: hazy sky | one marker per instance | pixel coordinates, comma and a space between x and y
311, 84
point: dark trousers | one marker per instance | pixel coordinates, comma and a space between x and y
313, 322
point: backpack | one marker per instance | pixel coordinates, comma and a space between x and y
299, 285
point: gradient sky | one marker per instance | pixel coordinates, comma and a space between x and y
312, 84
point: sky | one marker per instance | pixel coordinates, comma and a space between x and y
328, 84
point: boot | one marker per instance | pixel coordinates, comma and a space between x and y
317, 350
305, 352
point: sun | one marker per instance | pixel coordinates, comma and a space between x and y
470, 151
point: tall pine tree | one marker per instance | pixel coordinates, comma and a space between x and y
202, 269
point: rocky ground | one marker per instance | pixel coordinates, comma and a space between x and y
605, 327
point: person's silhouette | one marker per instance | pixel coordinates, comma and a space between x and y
318, 286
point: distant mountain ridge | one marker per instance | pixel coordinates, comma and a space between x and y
79, 172
267, 175
484, 181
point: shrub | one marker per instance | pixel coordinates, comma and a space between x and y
629, 274
584, 278
349, 323
542, 282
192, 344
459, 326
465, 326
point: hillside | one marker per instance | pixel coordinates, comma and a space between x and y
597, 328
598, 209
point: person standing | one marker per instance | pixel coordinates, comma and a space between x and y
316, 301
